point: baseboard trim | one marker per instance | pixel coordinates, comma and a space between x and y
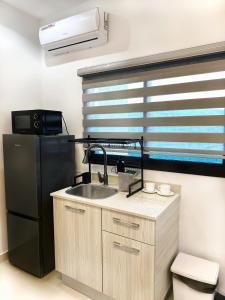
95, 295
3, 256
83, 289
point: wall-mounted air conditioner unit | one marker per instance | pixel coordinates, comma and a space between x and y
86, 30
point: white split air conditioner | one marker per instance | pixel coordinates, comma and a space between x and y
86, 30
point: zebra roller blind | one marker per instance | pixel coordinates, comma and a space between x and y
178, 108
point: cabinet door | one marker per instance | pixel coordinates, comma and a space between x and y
128, 268
78, 242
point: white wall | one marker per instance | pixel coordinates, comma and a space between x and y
138, 28
141, 28
20, 83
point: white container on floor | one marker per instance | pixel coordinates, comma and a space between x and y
194, 278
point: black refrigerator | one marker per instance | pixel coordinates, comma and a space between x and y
34, 167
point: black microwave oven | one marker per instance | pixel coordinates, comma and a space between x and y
38, 122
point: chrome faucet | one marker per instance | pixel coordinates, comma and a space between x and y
102, 178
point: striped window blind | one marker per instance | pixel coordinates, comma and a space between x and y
178, 107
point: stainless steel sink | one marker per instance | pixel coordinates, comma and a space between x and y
92, 191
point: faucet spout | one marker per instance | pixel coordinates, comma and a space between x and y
86, 160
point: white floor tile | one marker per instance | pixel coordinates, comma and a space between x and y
16, 284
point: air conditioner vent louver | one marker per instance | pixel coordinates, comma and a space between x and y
70, 45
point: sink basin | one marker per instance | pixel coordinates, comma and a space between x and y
92, 191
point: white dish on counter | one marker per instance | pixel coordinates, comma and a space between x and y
165, 195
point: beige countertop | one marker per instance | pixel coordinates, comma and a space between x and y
144, 205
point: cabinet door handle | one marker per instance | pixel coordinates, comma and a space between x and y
132, 225
79, 210
126, 248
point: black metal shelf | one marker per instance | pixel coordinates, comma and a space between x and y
140, 182
105, 141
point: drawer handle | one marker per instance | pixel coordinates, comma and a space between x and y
82, 211
132, 225
126, 248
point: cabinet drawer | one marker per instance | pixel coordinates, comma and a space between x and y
136, 228
128, 268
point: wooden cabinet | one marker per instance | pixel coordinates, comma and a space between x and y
115, 255
78, 248
138, 253
128, 268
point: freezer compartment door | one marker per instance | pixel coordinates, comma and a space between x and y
24, 244
22, 174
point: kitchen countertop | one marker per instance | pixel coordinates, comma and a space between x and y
149, 206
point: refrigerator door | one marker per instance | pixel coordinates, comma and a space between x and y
57, 165
22, 174
24, 244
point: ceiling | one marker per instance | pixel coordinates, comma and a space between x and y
43, 8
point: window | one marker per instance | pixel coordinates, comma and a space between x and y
178, 107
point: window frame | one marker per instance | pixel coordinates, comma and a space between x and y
175, 166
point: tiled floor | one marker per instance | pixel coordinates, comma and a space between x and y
16, 284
